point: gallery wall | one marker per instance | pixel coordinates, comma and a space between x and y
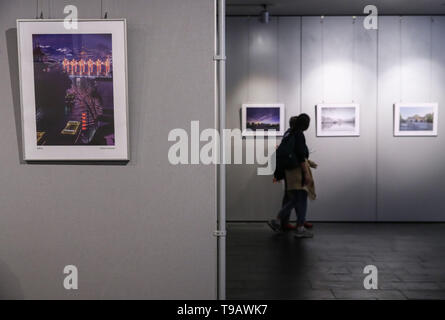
303, 61
136, 230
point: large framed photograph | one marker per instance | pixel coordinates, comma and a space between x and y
335, 120
415, 119
262, 119
73, 85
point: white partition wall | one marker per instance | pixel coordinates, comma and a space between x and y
243, 43
411, 170
255, 72
373, 177
338, 66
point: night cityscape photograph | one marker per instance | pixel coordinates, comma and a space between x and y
73, 78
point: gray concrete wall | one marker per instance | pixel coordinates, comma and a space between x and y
303, 61
137, 230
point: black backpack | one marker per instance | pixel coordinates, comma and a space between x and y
286, 158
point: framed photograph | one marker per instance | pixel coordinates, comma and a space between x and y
415, 119
262, 119
335, 120
73, 86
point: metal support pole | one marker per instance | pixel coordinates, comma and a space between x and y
221, 70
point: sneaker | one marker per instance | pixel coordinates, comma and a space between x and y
274, 225
308, 225
302, 232
289, 227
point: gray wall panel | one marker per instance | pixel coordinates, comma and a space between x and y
134, 231
411, 169
54, 9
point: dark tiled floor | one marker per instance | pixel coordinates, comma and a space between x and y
263, 265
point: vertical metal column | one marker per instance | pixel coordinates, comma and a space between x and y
221, 70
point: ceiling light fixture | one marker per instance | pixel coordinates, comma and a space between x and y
265, 16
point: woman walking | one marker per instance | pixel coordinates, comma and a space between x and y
299, 181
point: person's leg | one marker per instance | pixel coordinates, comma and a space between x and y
283, 215
285, 197
301, 209
301, 206
286, 224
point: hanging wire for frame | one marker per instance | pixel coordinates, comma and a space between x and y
277, 58
400, 60
248, 59
41, 11
322, 59
41, 16
37, 11
301, 65
431, 59
103, 15
353, 58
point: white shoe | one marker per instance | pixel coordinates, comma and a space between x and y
302, 232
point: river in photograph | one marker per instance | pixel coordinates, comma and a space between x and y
338, 126
416, 126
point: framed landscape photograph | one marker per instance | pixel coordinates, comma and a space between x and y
415, 119
262, 119
73, 85
338, 120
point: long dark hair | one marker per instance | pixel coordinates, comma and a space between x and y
300, 122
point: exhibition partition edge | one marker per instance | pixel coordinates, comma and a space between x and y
220, 58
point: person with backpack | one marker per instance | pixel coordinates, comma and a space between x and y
293, 165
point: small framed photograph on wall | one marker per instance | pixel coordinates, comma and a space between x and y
262, 119
73, 85
338, 120
415, 119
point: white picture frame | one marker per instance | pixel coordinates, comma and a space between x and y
415, 119
52, 40
252, 114
338, 120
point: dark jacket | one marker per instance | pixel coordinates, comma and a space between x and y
301, 149
291, 152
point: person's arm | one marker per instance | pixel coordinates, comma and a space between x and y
312, 164
300, 151
306, 174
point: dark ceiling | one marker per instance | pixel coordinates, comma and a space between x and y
335, 7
